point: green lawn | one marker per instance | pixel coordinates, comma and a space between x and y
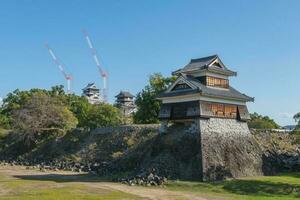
20, 189
284, 186
32, 186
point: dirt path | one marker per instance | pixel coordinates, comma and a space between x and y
16, 172
150, 193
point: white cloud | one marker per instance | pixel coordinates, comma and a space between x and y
286, 115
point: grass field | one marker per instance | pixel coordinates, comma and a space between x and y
284, 186
17, 183
31, 187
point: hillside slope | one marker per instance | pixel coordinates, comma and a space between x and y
129, 150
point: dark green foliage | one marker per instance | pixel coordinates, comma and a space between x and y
92, 116
262, 122
148, 106
37, 114
101, 115
296, 131
16, 99
42, 122
57, 90
40, 115
80, 107
88, 115
297, 119
4, 121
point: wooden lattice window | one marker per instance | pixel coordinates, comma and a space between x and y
217, 82
219, 110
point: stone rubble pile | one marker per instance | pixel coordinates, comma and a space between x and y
145, 179
92, 167
277, 161
150, 178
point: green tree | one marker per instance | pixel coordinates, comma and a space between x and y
147, 104
4, 121
102, 115
57, 90
93, 115
41, 115
261, 122
88, 115
81, 108
297, 119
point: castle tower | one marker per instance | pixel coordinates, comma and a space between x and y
92, 93
202, 98
125, 102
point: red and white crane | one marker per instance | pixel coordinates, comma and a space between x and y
103, 73
68, 77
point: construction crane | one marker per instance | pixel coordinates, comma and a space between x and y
68, 77
103, 73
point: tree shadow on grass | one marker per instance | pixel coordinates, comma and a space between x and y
61, 178
240, 187
261, 188
294, 175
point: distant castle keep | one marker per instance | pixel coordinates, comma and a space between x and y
125, 103
202, 98
92, 93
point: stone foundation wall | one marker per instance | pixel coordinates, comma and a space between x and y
228, 149
226, 127
127, 128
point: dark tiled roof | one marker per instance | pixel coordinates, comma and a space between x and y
203, 63
200, 62
179, 93
90, 86
230, 93
123, 94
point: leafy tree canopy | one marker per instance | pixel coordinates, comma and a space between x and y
148, 106
88, 115
297, 119
261, 122
41, 114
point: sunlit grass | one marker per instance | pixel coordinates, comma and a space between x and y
66, 187
285, 186
15, 189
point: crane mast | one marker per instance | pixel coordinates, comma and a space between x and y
103, 73
68, 77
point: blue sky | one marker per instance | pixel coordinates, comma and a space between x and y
258, 39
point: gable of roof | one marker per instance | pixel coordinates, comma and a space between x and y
181, 79
204, 90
